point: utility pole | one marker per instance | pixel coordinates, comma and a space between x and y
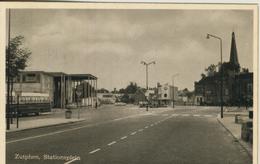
146, 66
173, 95
8, 74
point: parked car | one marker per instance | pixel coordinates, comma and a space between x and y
142, 104
120, 104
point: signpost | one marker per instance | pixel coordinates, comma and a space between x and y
17, 94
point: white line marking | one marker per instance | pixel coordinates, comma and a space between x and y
140, 130
175, 115
133, 133
151, 125
185, 115
94, 151
165, 114
71, 129
208, 115
111, 143
146, 127
196, 115
123, 137
75, 159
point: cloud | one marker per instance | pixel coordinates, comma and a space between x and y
111, 43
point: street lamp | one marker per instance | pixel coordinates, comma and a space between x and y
221, 71
173, 76
146, 65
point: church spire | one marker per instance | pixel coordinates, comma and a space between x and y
233, 53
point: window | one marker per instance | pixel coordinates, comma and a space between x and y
250, 88
165, 95
31, 78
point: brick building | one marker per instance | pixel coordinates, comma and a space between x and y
237, 84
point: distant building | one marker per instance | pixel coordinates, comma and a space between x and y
61, 88
237, 84
166, 94
106, 98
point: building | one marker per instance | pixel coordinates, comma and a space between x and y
62, 88
166, 94
237, 84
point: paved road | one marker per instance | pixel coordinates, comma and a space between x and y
181, 136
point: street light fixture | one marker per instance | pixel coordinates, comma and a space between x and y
221, 71
146, 66
173, 76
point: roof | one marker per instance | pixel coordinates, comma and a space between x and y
82, 77
73, 76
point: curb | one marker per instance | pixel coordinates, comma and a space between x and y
45, 126
239, 141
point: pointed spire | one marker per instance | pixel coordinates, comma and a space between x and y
233, 52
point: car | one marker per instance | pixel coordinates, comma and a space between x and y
120, 104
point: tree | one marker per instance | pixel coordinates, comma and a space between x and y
245, 70
131, 88
211, 70
203, 75
18, 57
102, 90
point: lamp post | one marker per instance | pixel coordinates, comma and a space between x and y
8, 73
146, 66
221, 71
173, 76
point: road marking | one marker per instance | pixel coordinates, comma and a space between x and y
94, 151
75, 159
146, 127
165, 114
140, 130
175, 115
71, 129
208, 115
185, 115
111, 143
151, 125
123, 137
133, 133
196, 115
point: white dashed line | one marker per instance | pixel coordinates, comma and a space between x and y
133, 133
175, 115
196, 115
75, 159
94, 151
151, 125
208, 115
140, 130
122, 138
111, 143
146, 127
185, 115
165, 114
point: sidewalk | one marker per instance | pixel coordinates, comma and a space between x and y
38, 123
228, 122
57, 117
53, 118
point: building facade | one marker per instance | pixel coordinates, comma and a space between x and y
237, 84
61, 88
166, 94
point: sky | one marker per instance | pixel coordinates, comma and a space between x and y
111, 44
